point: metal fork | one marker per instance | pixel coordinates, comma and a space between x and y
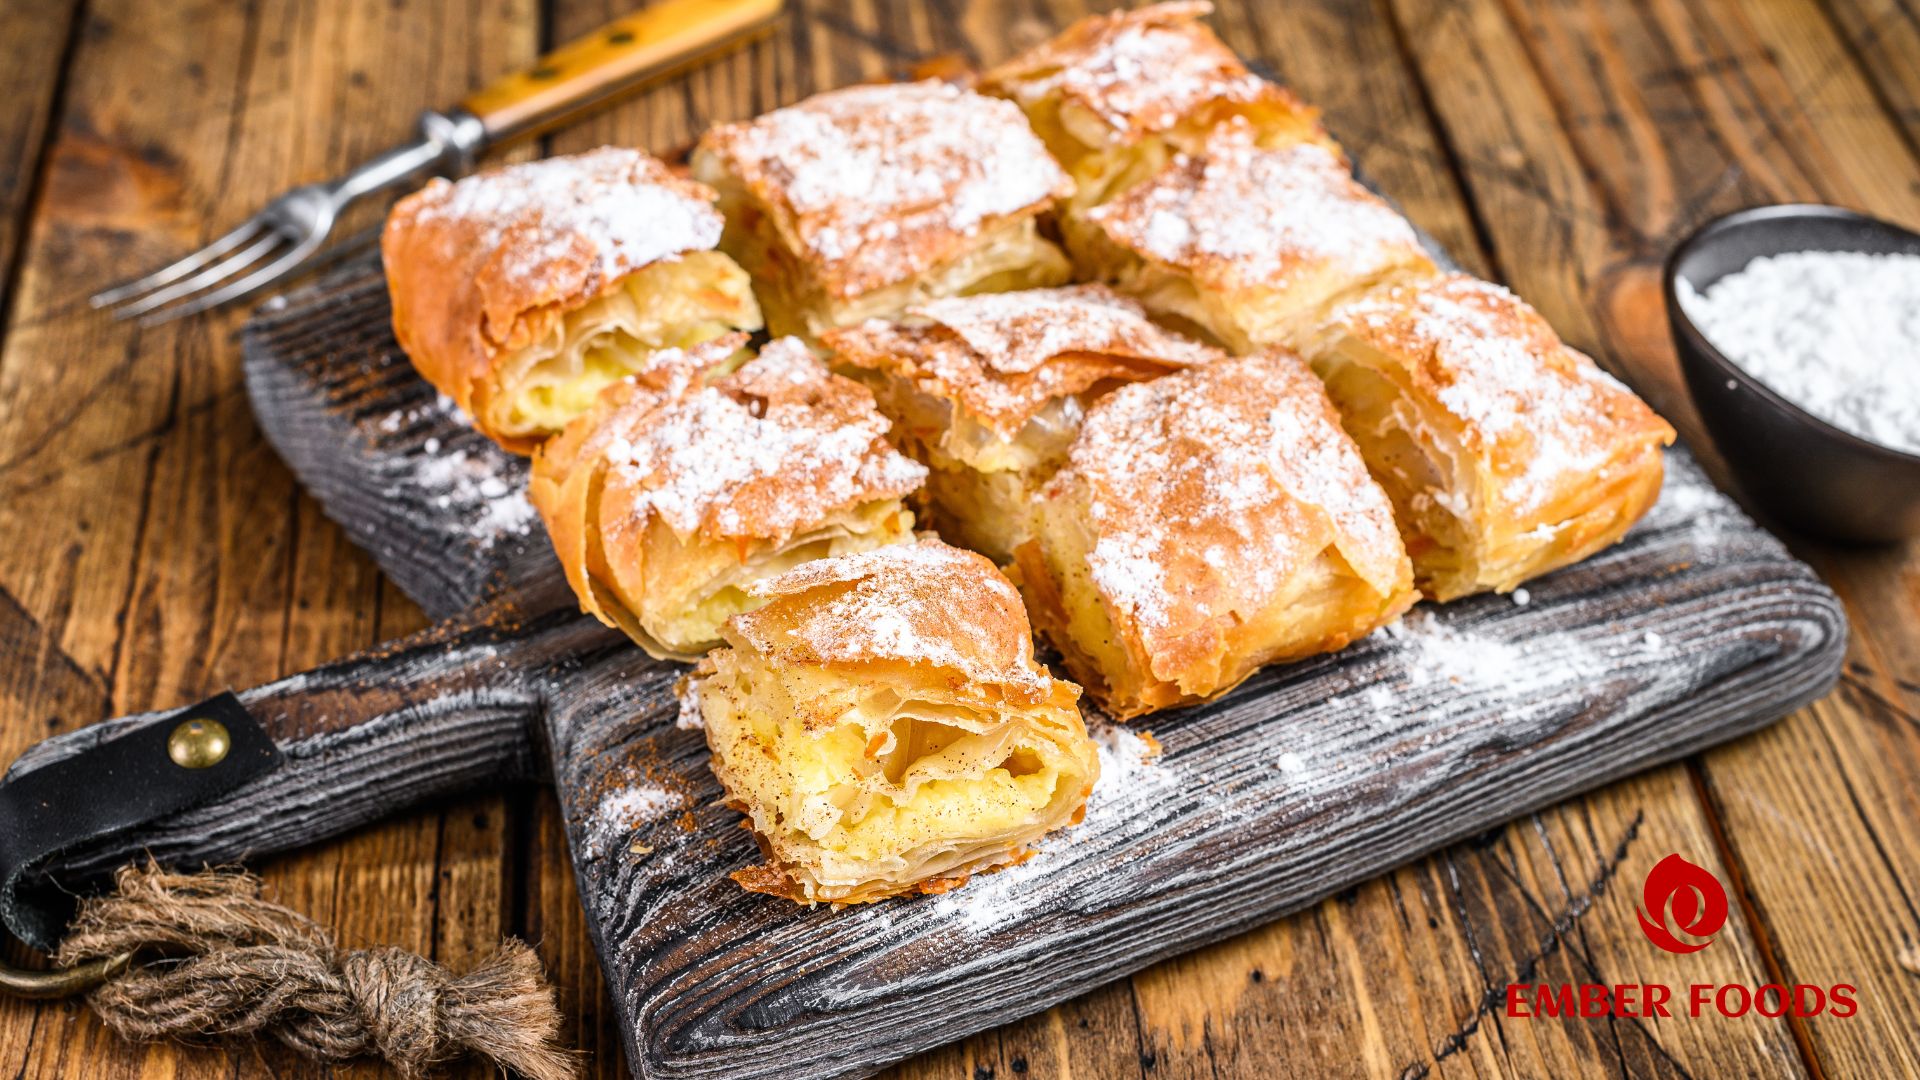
288, 231
286, 236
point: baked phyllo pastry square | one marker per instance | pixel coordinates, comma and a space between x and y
988, 391
521, 292
1205, 524
1116, 96
855, 203
1253, 245
883, 725
1506, 453
692, 480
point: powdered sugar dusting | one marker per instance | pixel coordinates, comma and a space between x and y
1207, 489
1004, 357
763, 452
1017, 332
1493, 362
923, 602
617, 209
1138, 71
1240, 216
470, 485
880, 182
623, 810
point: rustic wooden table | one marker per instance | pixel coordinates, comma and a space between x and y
156, 551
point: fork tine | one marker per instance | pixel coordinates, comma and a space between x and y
174, 271
212, 275
253, 282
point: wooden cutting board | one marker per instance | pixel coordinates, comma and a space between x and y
1305, 780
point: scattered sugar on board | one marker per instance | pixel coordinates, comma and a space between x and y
1518, 674
623, 810
1688, 500
1837, 333
1525, 675
1439, 653
469, 484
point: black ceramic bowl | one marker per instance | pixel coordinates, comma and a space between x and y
1795, 465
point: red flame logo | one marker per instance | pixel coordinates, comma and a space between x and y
1682, 906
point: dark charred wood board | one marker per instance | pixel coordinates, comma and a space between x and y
1305, 780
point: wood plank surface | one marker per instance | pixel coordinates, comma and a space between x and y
38, 33
162, 554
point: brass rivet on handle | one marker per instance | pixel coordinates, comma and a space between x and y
199, 743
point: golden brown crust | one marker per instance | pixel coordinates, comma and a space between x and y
924, 603
873, 185
1268, 238
487, 265
683, 458
1209, 500
1541, 456
1001, 357
1144, 72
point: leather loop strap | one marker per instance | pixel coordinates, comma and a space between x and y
110, 788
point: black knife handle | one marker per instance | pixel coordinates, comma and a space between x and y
449, 709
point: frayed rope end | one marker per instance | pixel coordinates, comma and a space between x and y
222, 962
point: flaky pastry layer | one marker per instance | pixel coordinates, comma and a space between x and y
685, 485
1251, 245
1116, 96
1506, 453
882, 723
1206, 524
520, 292
988, 391
856, 203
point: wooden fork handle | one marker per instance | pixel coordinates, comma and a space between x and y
654, 42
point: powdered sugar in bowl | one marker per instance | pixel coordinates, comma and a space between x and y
1815, 425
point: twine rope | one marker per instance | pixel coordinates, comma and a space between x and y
215, 960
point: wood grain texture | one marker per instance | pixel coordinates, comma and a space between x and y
1389, 979
1884, 37
38, 33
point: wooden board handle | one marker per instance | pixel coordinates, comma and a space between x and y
450, 709
655, 42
